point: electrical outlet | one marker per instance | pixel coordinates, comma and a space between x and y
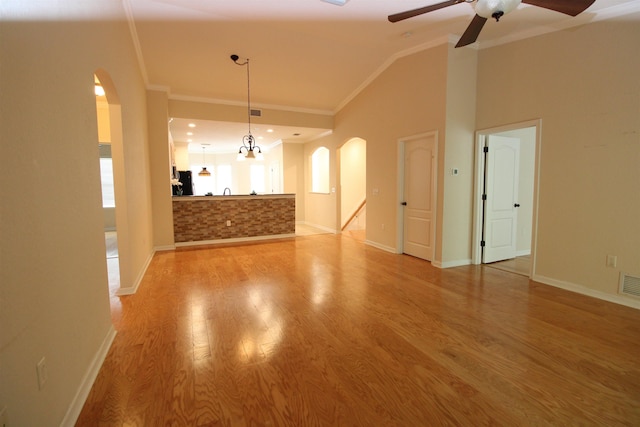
612, 261
229, 223
41, 369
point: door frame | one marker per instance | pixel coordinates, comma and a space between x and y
481, 135
400, 192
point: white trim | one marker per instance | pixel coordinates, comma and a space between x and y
177, 97
400, 190
451, 264
126, 4
234, 240
164, 248
580, 289
428, 45
321, 227
73, 412
589, 17
524, 252
133, 289
380, 246
481, 134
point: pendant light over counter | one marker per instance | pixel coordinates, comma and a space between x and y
204, 171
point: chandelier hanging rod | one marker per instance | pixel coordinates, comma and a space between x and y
248, 141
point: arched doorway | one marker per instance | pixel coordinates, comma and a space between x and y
109, 124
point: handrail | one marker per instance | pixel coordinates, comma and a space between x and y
353, 215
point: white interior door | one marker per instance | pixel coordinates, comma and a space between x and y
419, 197
501, 205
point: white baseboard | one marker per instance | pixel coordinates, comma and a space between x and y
616, 299
164, 248
379, 246
320, 227
90, 376
450, 264
133, 289
524, 252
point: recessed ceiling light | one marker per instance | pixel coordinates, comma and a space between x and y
192, 125
189, 140
189, 133
270, 130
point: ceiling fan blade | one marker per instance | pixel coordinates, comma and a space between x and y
415, 12
569, 7
472, 32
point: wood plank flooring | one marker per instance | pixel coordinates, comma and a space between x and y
327, 331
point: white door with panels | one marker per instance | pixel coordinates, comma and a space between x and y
501, 198
419, 197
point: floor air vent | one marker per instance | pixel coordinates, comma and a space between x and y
630, 285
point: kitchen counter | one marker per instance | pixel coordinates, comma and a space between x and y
215, 219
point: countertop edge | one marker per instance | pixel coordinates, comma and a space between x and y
232, 197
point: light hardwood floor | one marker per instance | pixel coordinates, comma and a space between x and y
326, 331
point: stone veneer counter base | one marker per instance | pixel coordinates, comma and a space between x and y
205, 218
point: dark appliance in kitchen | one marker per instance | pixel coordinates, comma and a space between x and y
187, 184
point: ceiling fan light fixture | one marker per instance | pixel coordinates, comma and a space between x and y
492, 8
336, 2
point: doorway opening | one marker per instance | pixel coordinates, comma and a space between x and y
109, 123
353, 188
506, 197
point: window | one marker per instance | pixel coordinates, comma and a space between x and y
202, 184
320, 170
257, 178
106, 176
223, 175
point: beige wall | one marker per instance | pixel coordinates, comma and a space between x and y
407, 99
54, 293
455, 195
293, 175
160, 164
583, 85
433, 90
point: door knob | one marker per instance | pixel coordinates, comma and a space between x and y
404, 203
517, 205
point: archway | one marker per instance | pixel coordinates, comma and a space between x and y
353, 187
109, 124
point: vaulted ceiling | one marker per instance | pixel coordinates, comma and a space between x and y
306, 55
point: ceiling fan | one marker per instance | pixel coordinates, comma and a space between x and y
486, 9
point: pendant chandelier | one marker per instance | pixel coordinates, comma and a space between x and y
248, 149
204, 171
